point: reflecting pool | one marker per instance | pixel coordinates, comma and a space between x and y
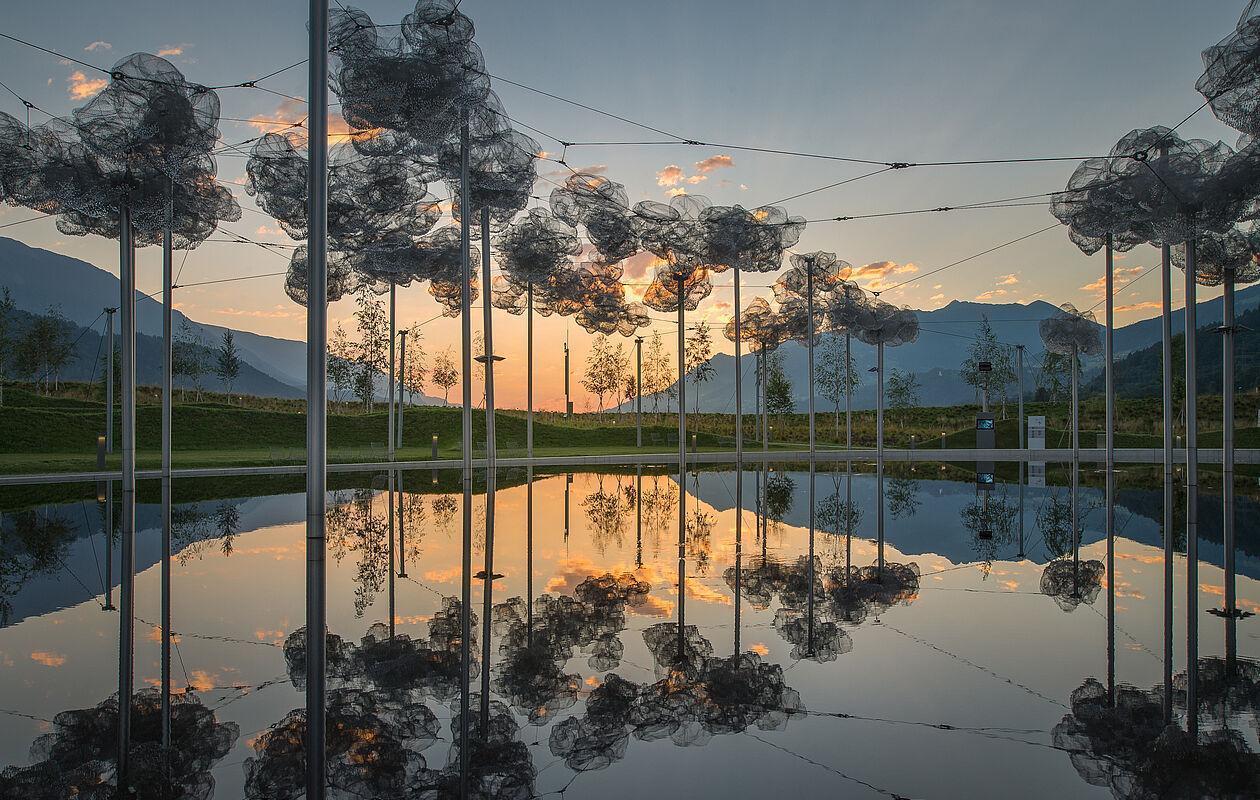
989, 652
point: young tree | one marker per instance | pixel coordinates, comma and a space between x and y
657, 373
836, 379
699, 349
445, 373
7, 322
340, 363
902, 390
479, 367
44, 350
778, 388
595, 378
415, 369
189, 357
986, 347
372, 353
1055, 375
227, 362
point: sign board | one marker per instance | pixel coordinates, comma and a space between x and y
1037, 474
1036, 433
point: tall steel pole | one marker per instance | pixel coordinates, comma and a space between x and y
1192, 498
739, 401
638, 391
848, 392
389, 426
402, 387
809, 351
487, 327
682, 461
568, 404
167, 385
316, 398
1019, 378
879, 459
465, 303
1227, 473
1076, 463
109, 379
1166, 319
1109, 434
127, 577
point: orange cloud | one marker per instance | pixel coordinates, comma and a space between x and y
292, 113
707, 594
1121, 276
277, 312
1008, 280
760, 649
99, 44
694, 179
714, 162
991, 295
877, 273
676, 191
669, 176
48, 659
1142, 306
172, 49
82, 87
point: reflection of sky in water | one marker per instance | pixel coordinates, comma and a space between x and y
978, 647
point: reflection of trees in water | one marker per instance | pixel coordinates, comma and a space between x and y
836, 515
1128, 749
606, 512
444, 508
31, 543
414, 515
194, 529
696, 697
780, 490
354, 526
902, 495
1225, 690
1054, 521
530, 672
1071, 584
659, 503
78, 757
700, 538
990, 511
840, 595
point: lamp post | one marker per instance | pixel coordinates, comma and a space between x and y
109, 379
402, 387
638, 391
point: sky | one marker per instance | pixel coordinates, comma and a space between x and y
870, 79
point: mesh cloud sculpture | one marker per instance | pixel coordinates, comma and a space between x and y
1126, 748
1220, 257
1072, 583
372, 749
499, 764
534, 248
76, 758
602, 207
1070, 332
1231, 75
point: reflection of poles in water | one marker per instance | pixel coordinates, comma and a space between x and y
1019, 370
402, 532
813, 455
682, 465
392, 615
529, 549
465, 648
1192, 498
389, 426
568, 480
1166, 319
1111, 626
848, 393
166, 614
739, 537
487, 594
848, 521
638, 516
109, 546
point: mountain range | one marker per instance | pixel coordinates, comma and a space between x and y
38, 279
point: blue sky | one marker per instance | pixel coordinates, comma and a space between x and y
880, 80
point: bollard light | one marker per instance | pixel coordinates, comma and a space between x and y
434, 449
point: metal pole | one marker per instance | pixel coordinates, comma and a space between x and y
1192, 498
1227, 473
1166, 319
638, 516
1019, 377
487, 603
1109, 434
529, 548
465, 303
682, 462
402, 530
402, 387
809, 351
127, 579
109, 546
109, 382
529, 369
879, 460
316, 399
739, 396
487, 325
638, 391
848, 393
1076, 461
389, 424
167, 385
568, 404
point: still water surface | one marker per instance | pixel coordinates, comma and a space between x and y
952, 677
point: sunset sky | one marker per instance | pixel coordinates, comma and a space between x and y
870, 79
